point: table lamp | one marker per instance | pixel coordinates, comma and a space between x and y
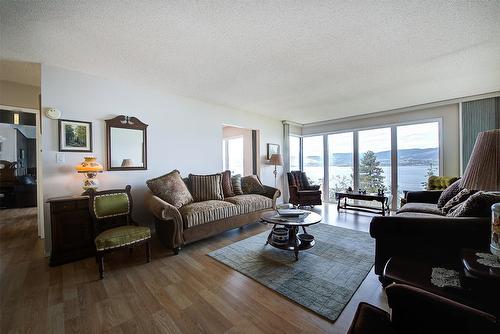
483, 173
276, 160
127, 163
90, 167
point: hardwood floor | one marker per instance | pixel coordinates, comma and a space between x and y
188, 293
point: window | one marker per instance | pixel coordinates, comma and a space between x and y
375, 160
294, 153
232, 154
340, 162
313, 158
418, 155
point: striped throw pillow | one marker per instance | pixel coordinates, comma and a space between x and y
206, 187
236, 181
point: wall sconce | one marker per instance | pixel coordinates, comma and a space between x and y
16, 118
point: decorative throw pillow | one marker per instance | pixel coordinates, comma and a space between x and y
171, 189
227, 186
236, 182
477, 205
252, 185
206, 187
448, 194
457, 199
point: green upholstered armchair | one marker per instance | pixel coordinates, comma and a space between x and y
434, 184
111, 211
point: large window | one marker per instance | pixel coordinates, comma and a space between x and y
375, 160
232, 153
313, 158
340, 162
418, 155
294, 153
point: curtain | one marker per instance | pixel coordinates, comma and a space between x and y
286, 160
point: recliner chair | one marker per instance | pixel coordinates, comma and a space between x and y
302, 193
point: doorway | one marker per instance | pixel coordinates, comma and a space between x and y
240, 150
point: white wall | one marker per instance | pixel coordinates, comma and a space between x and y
231, 131
450, 129
183, 133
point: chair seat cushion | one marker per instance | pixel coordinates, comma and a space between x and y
251, 202
121, 236
421, 208
207, 211
309, 193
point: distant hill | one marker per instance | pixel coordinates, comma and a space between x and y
412, 156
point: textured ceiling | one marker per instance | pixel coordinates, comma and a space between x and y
303, 61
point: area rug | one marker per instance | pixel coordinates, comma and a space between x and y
324, 278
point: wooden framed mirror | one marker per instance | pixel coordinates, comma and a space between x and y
127, 144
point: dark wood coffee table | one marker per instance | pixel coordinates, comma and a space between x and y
292, 224
365, 197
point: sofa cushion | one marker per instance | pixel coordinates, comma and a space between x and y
236, 182
448, 193
227, 185
421, 208
252, 185
206, 187
477, 205
207, 211
170, 188
457, 199
251, 202
418, 215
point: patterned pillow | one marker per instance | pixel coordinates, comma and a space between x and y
171, 189
477, 205
206, 187
227, 186
252, 185
457, 199
236, 182
448, 194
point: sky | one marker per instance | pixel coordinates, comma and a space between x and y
424, 135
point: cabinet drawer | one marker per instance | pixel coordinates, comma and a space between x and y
63, 206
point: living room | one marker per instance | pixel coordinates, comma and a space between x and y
204, 109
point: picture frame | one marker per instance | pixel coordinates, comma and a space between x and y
272, 149
74, 136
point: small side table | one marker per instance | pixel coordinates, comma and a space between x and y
482, 279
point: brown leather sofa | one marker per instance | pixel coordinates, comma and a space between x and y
301, 192
419, 229
195, 221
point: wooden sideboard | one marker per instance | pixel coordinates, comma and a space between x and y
72, 229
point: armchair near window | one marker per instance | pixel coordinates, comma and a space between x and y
302, 193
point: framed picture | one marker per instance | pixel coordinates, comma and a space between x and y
272, 149
75, 136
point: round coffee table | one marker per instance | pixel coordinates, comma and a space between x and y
292, 224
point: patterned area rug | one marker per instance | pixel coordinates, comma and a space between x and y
324, 278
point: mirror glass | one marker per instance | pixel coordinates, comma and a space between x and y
127, 147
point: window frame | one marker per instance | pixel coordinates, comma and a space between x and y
394, 152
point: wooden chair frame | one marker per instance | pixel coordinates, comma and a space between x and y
98, 226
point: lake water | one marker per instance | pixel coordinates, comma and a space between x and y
409, 177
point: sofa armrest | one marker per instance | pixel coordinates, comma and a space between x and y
166, 213
272, 193
425, 196
437, 238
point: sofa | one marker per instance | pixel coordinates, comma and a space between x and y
434, 183
199, 219
421, 229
